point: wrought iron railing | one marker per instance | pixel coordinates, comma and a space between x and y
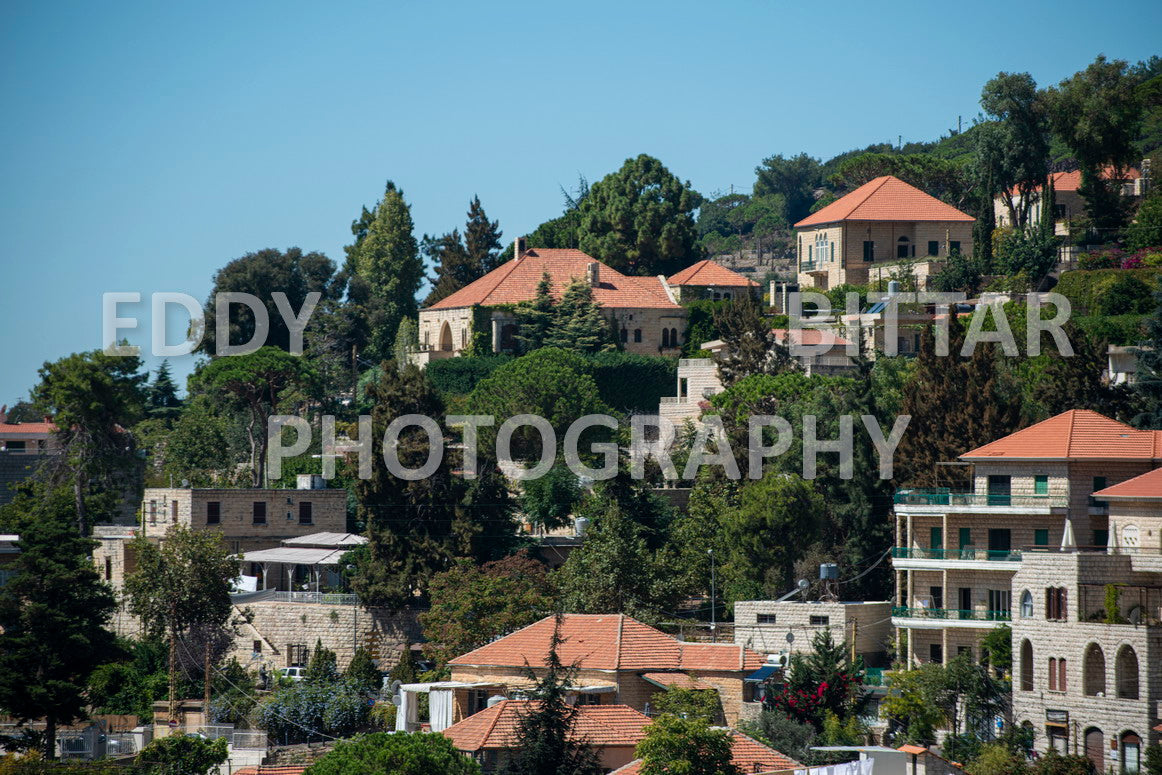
946, 497
963, 553
952, 614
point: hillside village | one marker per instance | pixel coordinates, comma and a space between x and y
169, 587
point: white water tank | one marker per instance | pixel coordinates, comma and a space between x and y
311, 482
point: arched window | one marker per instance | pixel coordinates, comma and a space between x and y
1126, 671
1026, 604
1026, 666
1095, 671
1131, 753
1095, 748
673, 337
463, 338
446, 337
665, 337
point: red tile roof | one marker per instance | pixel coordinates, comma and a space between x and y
709, 272
516, 281
1071, 181
885, 199
1148, 485
609, 642
807, 337
601, 726
1079, 434
26, 428
746, 753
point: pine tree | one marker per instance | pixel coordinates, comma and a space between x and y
547, 744
578, 324
751, 344
53, 614
322, 668
388, 259
482, 238
162, 396
535, 318
459, 262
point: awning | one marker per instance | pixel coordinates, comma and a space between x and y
596, 689
763, 673
681, 680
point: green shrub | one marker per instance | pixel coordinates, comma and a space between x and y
1089, 291
629, 382
458, 376
1114, 329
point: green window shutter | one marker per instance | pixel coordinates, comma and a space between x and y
1041, 484
1041, 536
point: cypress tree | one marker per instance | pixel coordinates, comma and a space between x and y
578, 324
535, 318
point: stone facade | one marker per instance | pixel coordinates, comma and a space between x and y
1103, 698
248, 519
833, 254
697, 381
763, 625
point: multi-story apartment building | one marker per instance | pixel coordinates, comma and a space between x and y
248, 519
956, 552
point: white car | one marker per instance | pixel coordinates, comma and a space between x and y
294, 673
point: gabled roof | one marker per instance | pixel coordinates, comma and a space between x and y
516, 281
1071, 181
886, 199
30, 429
608, 642
600, 726
1147, 486
746, 753
1079, 434
709, 272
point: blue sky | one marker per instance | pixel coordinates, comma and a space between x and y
144, 145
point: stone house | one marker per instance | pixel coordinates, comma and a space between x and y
790, 626
646, 316
619, 661
708, 279
956, 552
883, 222
1068, 204
612, 732
1085, 677
23, 446
247, 518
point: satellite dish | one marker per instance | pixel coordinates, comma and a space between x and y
790, 637
804, 583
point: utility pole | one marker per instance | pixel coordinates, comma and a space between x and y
713, 601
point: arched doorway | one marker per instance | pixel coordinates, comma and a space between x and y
1095, 748
1095, 671
446, 336
1127, 673
1131, 750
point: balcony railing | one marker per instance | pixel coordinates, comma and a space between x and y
279, 596
874, 676
946, 497
952, 614
964, 553
808, 266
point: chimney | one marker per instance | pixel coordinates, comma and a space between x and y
518, 248
592, 274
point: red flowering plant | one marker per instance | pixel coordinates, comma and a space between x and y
822, 681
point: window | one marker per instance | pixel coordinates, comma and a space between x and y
213, 512
1131, 753
902, 247
477, 700
766, 618
1026, 666
108, 569
1099, 483
1000, 490
1052, 674
665, 337
173, 510
933, 247
1055, 603
1041, 536
1026, 604
588, 698
1094, 679
936, 540
936, 653
1130, 536
822, 246
1126, 673
256, 647
624, 335
674, 335
296, 655
259, 512
1000, 604
820, 621
953, 246
1061, 685
869, 250
153, 512
1041, 484
305, 517
637, 334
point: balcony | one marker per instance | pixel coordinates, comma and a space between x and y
965, 558
943, 500
940, 618
809, 266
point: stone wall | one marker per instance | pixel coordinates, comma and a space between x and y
849, 266
871, 622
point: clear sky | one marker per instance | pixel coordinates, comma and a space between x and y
144, 145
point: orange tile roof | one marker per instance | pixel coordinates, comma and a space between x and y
1079, 434
609, 642
1071, 181
886, 198
21, 428
601, 726
807, 336
516, 281
1148, 485
917, 749
709, 272
746, 753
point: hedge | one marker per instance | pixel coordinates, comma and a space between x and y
1115, 329
1110, 291
630, 382
458, 376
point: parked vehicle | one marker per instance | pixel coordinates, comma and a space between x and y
294, 673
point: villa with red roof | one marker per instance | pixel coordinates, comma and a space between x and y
1068, 204
710, 280
643, 312
884, 221
618, 661
1035, 491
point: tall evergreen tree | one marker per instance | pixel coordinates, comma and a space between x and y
535, 317
53, 614
1020, 155
387, 257
482, 238
1076, 382
751, 344
454, 267
162, 396
548, 744
578, 323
